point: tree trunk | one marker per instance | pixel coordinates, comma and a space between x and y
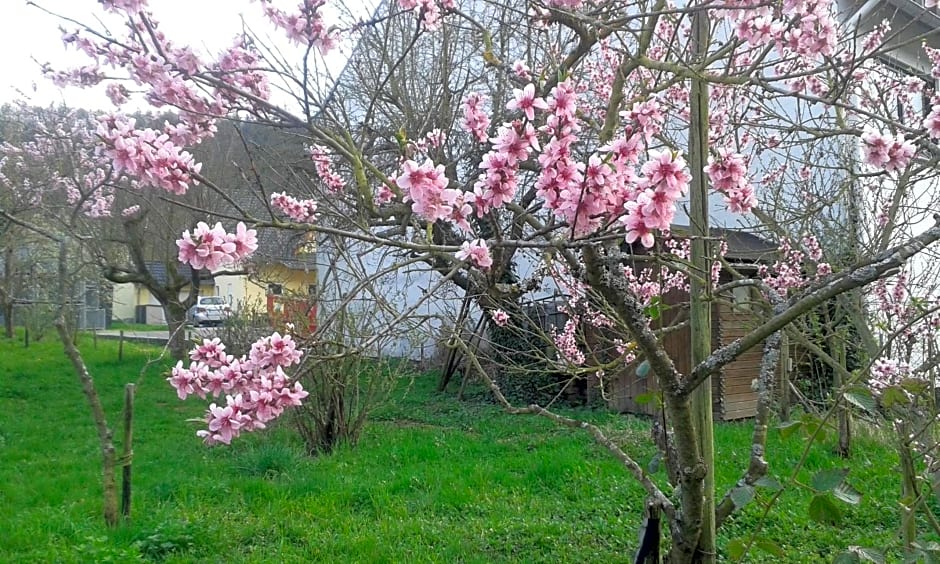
105, 435
8, 292
176, 324
8, 319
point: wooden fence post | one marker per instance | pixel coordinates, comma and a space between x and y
121, 346
128, 454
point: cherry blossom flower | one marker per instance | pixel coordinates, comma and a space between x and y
304, 211
891, 153
500, 317
213, 248
526, 101
476, 253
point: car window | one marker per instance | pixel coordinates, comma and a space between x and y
212, 301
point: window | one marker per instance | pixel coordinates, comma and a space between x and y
275, 289
912, 103
312, 290
741, 298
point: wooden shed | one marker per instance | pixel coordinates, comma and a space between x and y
732, 316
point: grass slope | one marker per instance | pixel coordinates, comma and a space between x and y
433, 480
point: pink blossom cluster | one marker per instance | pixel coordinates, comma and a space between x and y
304, 26
238, 67
932, 122
895, 304
665, 179
499, 317
647, 118
324, 165
887, 372
497, 184
304, 211
476, 253
885, 151
426, 186
566, 343
728, 174
89, 184
429, 9
815, 33
212, 248
149, 156
581, 202
521, 70
255, 386
475, 119
788, 272
131, 6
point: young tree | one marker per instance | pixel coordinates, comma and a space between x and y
574, 129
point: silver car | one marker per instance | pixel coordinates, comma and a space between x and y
208, 310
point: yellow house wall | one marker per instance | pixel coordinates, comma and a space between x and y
244, 292
123, 300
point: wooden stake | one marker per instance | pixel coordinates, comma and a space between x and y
128, 450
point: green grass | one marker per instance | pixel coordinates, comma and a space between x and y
433, 480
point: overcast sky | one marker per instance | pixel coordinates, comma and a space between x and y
29, 37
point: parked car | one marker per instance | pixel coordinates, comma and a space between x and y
208, 310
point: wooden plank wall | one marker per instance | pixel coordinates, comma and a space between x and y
740, 399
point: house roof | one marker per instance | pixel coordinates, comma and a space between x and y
158, 270
744, 246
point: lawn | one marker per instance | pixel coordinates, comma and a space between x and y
433, 480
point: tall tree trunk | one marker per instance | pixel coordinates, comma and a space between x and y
700, 302
8, 292
176, 324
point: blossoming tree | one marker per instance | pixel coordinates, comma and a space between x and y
563, 138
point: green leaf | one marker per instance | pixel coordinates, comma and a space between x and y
847, 493
915, 386
787, 429
655, 309
827, 480
770, 547
892, 396
813, 427
769, 482
823, 510
643, 369
742, 495
861, 397
736, 548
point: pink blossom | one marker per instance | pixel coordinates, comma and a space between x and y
257, 388
526, 101
477, 253
213, 248
304, 211
321, 158
522, 70
475, 119
500, 317
892, 153
728, 174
